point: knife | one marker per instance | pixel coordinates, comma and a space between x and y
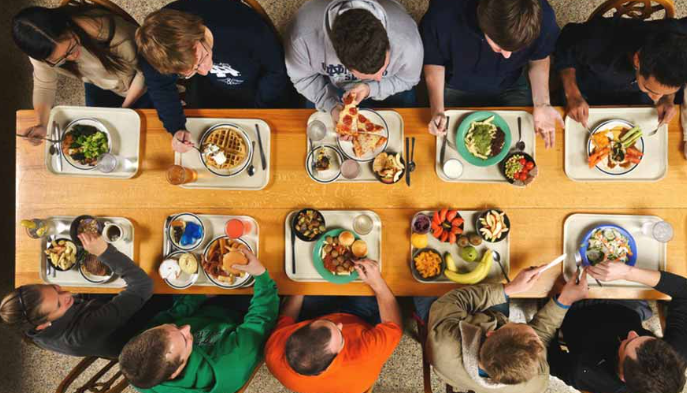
262, 151
407, 162
293, 250
442, 155
166, 249
56, 130
554, 263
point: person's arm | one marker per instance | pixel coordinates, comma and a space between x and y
435, 77
292, 307
165, 96
572, 51
273, 81
44, 90
136, 90
311, 84
545, 116
666, 109
389, 311
407, 75
460, 303
576, 106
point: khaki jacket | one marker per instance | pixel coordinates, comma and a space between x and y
458, 322
123, 44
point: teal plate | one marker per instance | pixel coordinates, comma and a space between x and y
319, 264
465, 126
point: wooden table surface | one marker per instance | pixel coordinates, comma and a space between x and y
537, 212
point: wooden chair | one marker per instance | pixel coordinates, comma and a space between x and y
426, 367
635, 9
110, 6
115, 384
255, 371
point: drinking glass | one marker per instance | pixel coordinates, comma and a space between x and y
177, 175
661, 231
107, 162
362, 224
35, 228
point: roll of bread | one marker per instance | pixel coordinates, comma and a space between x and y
234, 257
359, 248
346, 238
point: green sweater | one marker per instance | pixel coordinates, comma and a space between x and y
225, 352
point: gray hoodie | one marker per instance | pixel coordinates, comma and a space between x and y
317, 72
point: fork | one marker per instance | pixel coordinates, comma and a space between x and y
578, 263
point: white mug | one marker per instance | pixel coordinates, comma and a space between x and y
114, 232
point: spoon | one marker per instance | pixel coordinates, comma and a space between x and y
578, 262
251, 168
520, 145
497, 258
411, 164
192, 145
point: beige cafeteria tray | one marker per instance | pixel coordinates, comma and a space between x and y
305, 271
490, 174
470, 216
651, 254
59, 228
393, 120
214, 227
206, 179
124, 126
654, 165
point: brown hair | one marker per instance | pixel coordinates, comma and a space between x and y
307, 350
511, 24
360, 41
143, 359
167, 40
511, 356
21, 308
657, 369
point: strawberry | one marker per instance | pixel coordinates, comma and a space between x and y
451, 238
457, 221
444, 236
451, 214
442, 214
435, 218
437, 232
456, 230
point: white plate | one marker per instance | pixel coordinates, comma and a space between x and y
335, 161
240, 281
85, 122
188, 217
603, 165
184, 280
347, 146
233, 171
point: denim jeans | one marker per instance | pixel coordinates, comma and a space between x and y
98, 97
519, 94
424, 303
364, 307
404, 99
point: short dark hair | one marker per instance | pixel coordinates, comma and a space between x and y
360, 41
657, 369
143, 360
511, 24
664, 55
307, 350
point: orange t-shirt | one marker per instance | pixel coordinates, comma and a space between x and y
353, 370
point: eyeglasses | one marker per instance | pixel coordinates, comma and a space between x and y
21, 304
63, 59
195, 69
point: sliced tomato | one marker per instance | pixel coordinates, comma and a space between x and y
523, 161
529, 165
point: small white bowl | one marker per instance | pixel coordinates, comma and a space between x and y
453, 168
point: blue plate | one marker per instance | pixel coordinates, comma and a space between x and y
585, 243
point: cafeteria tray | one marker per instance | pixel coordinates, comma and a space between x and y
206, 179
393, 120
488, 174
651, 254
124, 126
654, 165
305, 270
214, 227
470, 216
59, 228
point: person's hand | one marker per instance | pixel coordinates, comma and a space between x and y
684, 148
573, 290
368, 270
181, 141
336, 112
254, 267
609, 271
524, 281
437, 126
666, 111
94, 244
34, 133
361, 90
578, 110
545, 119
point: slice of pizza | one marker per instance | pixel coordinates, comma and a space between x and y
366, 125
348, 117
365, 143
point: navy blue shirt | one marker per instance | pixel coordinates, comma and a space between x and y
601, 53
248, 68
453, 39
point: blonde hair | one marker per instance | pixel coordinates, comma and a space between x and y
512, 356
167, 40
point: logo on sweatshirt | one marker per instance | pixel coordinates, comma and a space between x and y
226, 74
207, 337
339, 73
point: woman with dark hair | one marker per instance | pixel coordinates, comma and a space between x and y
80, 41
82, 325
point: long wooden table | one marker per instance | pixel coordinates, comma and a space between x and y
537, 212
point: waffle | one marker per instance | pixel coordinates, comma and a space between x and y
231, 143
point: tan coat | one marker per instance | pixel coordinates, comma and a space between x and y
123, 44
458, 322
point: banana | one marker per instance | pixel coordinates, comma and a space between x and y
450, 262
475, 276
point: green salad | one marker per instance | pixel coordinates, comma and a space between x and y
85, 144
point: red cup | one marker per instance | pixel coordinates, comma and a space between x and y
234, 228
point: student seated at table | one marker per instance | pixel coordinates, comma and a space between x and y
473, 346
608, 350
335, 344
368, 47
209, 347
476, 54
82, 325
81, 41
231, 55
622, 61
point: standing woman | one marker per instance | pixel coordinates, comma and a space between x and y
81, 41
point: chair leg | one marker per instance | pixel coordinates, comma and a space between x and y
426, 368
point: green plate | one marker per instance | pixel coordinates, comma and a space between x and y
319, 264
465, 126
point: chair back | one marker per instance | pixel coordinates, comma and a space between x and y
635, 9
114, 384
114, 8
261, 11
